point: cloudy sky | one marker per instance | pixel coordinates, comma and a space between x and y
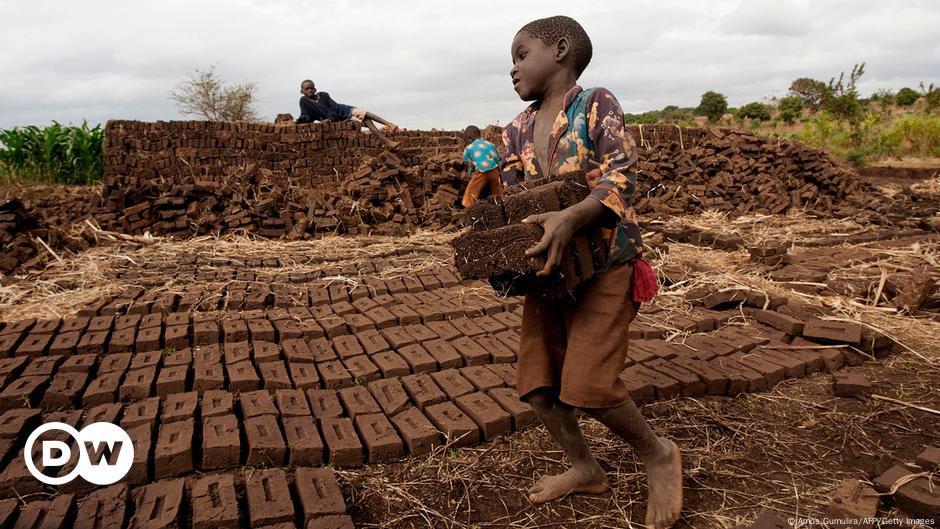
439, 64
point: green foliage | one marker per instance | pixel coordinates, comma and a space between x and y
907, 96
810, 91
755, 111
914, 134
669, 114
932, 96
790, 108
54, 154
841, 99
714, 105
883, 96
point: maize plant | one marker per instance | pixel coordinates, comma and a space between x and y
54, 154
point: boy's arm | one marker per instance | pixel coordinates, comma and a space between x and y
466, 160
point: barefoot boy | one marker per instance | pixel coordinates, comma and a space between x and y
482, 159
572, 351
319, 106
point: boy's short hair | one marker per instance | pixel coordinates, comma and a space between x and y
306, 81
471, 133
550, 29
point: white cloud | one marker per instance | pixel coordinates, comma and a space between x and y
425, 64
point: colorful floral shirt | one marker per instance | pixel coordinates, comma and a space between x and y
589, 135
483, 155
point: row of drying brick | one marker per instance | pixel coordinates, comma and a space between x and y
150, 332
273, 498
377, 423
91, 379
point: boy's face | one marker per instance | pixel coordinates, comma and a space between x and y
533, 64
308, 89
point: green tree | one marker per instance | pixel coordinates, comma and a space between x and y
810, 91
790, 108
841, 99
755, 111
713, 105
204, 93
932, 96
907, 96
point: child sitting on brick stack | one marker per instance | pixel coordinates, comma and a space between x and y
482, 160
319, 106
572, 351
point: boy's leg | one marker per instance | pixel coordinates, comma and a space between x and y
660, 457
388, 143
391, 126
478, 182
585, 475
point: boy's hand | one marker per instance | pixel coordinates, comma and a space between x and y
559, 226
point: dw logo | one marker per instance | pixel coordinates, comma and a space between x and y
105, 453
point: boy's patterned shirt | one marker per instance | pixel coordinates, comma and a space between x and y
589, 135
483, 155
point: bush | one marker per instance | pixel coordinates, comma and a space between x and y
790, 109
713, 105
54, 154
907, 96
205, 94
755, 111
810, 91
913, 134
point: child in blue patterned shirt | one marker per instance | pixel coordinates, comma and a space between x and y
482, 159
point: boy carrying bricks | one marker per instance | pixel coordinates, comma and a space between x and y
572, 351
482, 159
319, 106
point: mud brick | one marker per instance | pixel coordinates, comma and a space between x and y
418, 358
221, 445
481, 377
725, 299
362, 369
256, 403
690, 383
234, 330
269, 498
151, 320
509, 338
741, 378
452, 383
304, 376
93, 342
65, 343
420, 332
179, 407
708, 347
412, 284
104, 508
381, 317
174, 452
773, 373
296, 351
182, 357
384, 300
833, 331
64, 390
715, 380
417, 432
101, 390
23, 392
429, 282
274, 375
447, 279
320, 350
429, 313
832, 357
343, 446
8, 510
381, 441
397, 337
143, 412
507, 319
216, 402
640, 388
159, 505
492, 419
242, 377
129, 321
405, 314
78, 363
324, 403
390, 364
372, 341
443, 353
454, 423
918, 497
42, 365
322, 311
523, 415
122, 341
145, 359
795, 366
334, 326
347, 346
782, 322
319, 495
423, 390
395, 285
15, 478
142, 437
443, 329
176, 337
292, 402
929, 458
853, 500
138, 384
471, 351
24, 325
305, 447
850, 385
265, 443
15, 422
8, 344
288, 329
49, 514
35, 345
205, 333
208, 377
148, 339
338, 292
207, 354
236, 352
334, 374
498, 351
214, 502
67, 325
390, 395
172, 379
319, 296
489, 324
466, 326
357, 400
115, 362
666, 387
451, 310
103, 413
261, 330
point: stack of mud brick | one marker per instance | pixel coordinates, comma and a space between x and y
496, 244
27, 233
683, 170
272, 180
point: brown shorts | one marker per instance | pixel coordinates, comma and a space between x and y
481, 186
578, 347
357, 114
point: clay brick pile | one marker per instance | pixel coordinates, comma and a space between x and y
494, 248
684, 170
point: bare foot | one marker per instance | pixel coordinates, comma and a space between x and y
393, 144
391, 127
664, 475
571, 481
